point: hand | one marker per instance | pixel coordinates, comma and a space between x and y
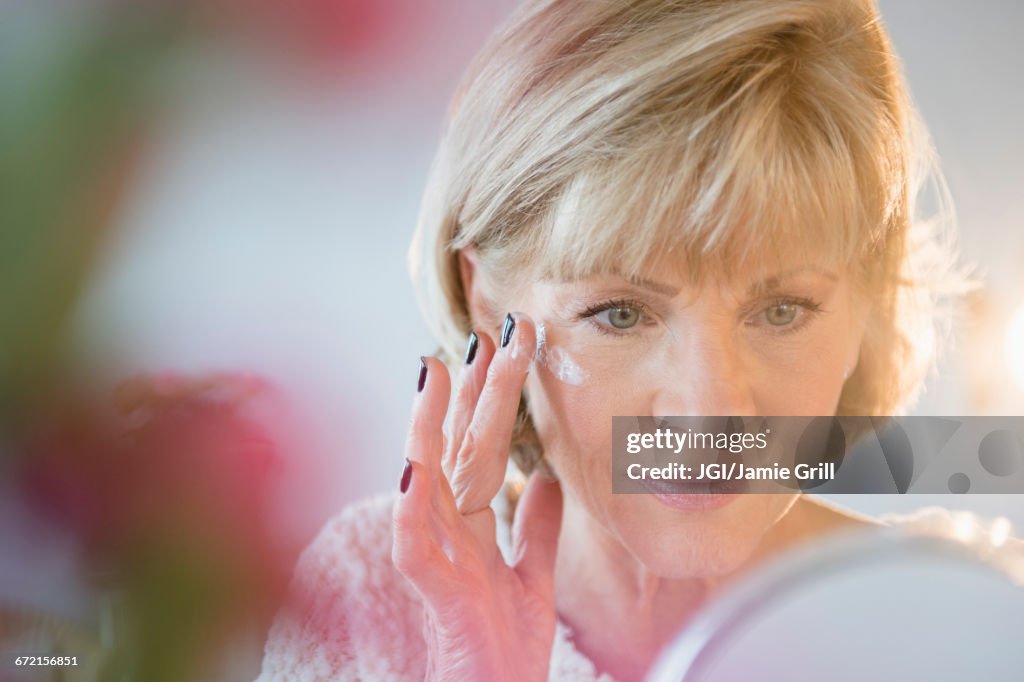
484, 619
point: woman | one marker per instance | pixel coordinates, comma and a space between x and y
644, 208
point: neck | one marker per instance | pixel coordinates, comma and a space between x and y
621, 613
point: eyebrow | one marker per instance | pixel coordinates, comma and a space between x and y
772, 283
657, 287
768, 284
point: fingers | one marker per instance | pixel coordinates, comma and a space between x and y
482, 455
428, 532
432, 544
535, 529
479, 353
450, 555
425, 443
436, 525
415, 550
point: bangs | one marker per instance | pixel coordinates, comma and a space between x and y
762, 187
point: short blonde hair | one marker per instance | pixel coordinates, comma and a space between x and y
592, 136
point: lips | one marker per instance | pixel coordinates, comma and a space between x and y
692, 487
693, 496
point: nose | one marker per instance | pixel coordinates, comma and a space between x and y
704, 375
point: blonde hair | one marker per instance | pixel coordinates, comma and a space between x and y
594, 136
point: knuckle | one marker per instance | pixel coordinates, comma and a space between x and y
470, 443
507, 375
474, 449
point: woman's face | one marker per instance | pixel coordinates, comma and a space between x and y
737, 345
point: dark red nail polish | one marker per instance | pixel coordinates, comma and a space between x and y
406, 476
423, 376
510, 327
471, 348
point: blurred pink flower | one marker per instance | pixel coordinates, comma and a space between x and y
181, 475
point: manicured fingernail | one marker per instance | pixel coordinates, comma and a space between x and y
510, 327
406, 476
423, 376
471, 348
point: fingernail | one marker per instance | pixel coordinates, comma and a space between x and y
423, 376
510, 327
471, 348
406, 476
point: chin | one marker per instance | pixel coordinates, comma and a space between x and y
688, 544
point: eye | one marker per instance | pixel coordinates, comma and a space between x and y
786, 314
622, 317
781, 314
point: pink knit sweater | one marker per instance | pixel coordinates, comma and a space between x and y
352, 616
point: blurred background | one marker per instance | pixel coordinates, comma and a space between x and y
227, 189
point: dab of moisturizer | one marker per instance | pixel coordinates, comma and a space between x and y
557, 360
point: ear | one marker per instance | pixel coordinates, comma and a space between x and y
473, 287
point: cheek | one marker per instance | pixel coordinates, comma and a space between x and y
574, 424
571, 421
576, 384
812, 389
804, 378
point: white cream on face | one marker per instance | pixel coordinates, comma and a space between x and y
557, 360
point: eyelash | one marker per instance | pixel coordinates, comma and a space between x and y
589, 313
809, 307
